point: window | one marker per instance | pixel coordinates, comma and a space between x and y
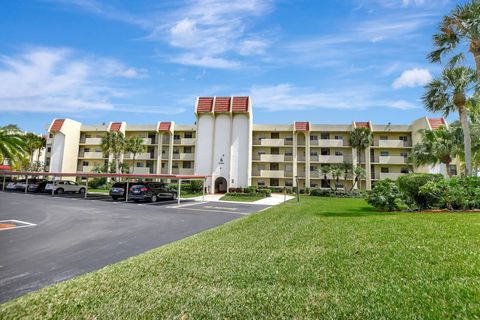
163, 165
86, 149
274, 182
404, 154
50, 135
384, 170
49, 149
288, 168
175, 165
314, 153
325, 152
453, 170
188, 135
313, 138
85, 163
274, 151
260, 152
384, 153
288, 138
288, 183
338, 153
187, 149
383, 137
313, 168
187, 164
176, 137
275, 135
288, 153
404, 170
175, 151
140, 165
88, 136
313, 185
403, 138
261, 183
98, 150
338, 138
324, 136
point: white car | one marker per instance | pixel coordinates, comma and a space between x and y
65, 186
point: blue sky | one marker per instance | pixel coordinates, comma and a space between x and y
146, 61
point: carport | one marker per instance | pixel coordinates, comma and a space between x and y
121, 176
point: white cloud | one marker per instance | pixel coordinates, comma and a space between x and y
58, 80
288, 97
412, 78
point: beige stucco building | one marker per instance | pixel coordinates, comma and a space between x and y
225, 145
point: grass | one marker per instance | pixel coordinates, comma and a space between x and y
245, 198
324, 258
93, 190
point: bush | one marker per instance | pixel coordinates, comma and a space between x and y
384, 196
265, 192
97, 183
196, 186
336, 194
454, 193
410, 184
250, 189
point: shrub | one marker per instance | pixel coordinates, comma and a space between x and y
384, 196
96, 183
196, 186
265, 192
410, 184
336, 194
453, 193
250, 189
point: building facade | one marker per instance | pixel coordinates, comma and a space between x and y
225, 145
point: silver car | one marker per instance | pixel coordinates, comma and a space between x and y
60, 187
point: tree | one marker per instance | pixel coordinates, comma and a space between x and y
459, 29
360, 139
359, 173
113, 143
12, 145
448, 93
441, 145
336, 172
135, 145
34, 143
347, 168
324, 171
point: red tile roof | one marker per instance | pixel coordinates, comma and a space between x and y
364, 124
164, 126
205, 104
115, 126
4, 167
302, 126
240, 104
57, 125
436, 122
222, 104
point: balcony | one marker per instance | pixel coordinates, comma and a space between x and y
142, 170
91, 155
393, 143
184, 156
164, 171
318, 175
270, 142
269, 173
183, 171
386, 175
93, 141
140, 156
328, 159
85, 168
184, 141
328, 143
391, 160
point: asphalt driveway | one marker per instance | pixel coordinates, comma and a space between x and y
64, 237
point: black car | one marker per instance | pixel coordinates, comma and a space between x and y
151, 191
118, 190
38, 186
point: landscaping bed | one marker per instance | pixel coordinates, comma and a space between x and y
322, 258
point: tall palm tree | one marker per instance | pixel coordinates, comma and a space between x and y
360, 139
459, 29
336, 172
12, 145
324, 171
33, 143
448, 93
113, 143
441, 145
135, 145
346, 168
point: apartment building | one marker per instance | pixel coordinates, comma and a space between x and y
225, 145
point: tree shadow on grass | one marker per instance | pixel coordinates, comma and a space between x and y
363, 211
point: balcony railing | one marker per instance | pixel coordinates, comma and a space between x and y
183, 171
85, 168
142, 170
386, 175
183, 156
328, 159
184, 141
393, 143
140, 156
93, 141
329, 143
91, 155
391, 159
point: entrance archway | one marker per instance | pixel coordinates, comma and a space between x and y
220, 185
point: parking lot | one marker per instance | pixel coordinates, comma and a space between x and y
48, 239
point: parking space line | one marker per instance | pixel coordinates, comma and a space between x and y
215, 211
24, 224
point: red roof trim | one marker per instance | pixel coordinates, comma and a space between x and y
302, 126
115, 126
57, 125
435, 123
205, 104
240, 104
222, 104
5, 167
364, 124
164, 126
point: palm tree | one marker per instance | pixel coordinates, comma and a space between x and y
324, 171
347, 168
448, 93
441, 145
459, 29
113, 143
12, 145
360, 139
135, 145
34, 143
336, 172
360, 173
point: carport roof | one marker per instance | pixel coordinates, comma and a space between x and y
94, 175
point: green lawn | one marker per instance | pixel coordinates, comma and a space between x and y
241, 198
92, 190
321, 259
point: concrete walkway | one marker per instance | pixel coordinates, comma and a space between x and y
275, 199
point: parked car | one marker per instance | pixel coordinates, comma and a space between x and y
151, 191
60, 187
12, 184
38, 186
118, 190
22, 184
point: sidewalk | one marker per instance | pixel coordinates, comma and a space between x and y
275, 199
